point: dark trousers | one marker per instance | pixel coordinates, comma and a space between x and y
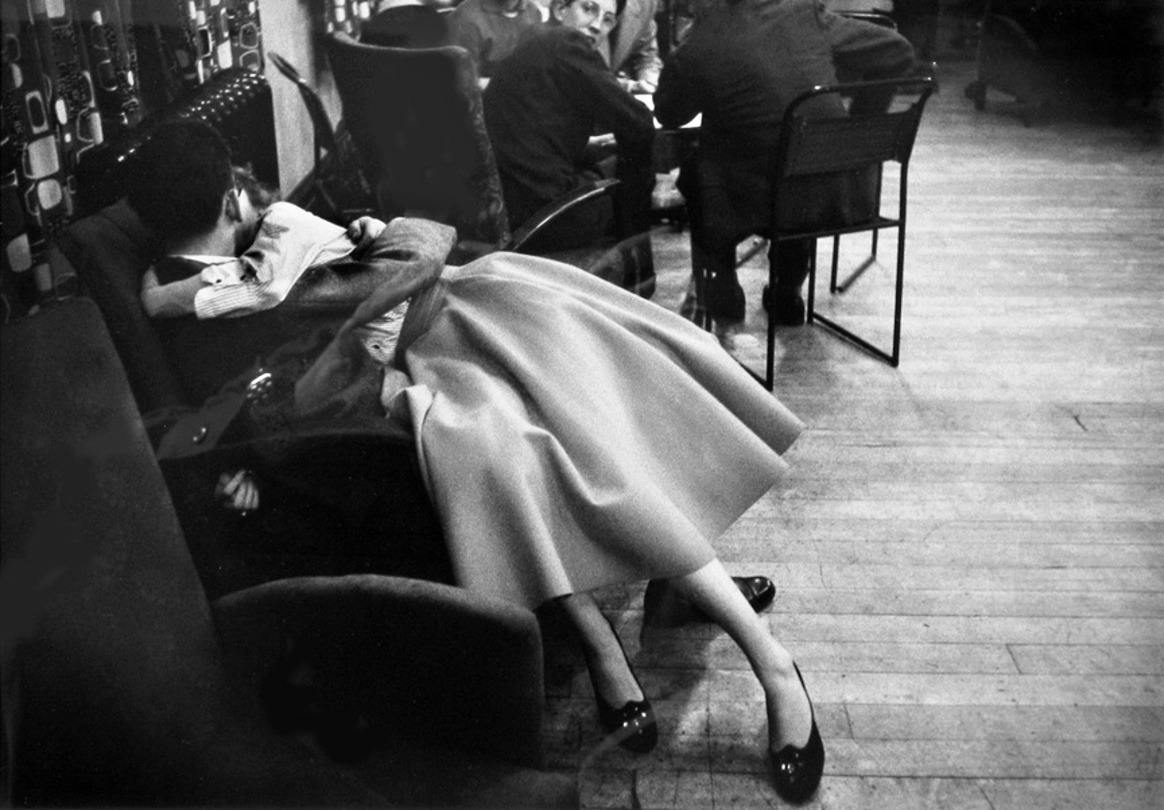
713, 254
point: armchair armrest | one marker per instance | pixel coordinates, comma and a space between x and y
426, 662
553, 210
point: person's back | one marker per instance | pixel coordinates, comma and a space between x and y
538, 124
490, 30
542, 106
750, 58
743, 64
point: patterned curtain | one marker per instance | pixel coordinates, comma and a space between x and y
76, 72
347, 15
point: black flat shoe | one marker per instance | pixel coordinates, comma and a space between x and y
796, 772
786, 310
633, 725
725, 299
759, 591
663, 606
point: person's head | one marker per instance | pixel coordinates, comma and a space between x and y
594, 18
186, 187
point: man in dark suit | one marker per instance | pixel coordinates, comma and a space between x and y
744, 61
544, 103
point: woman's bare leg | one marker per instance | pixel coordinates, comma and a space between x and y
789, 711
609, 669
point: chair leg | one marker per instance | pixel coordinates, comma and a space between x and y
836, 254
893, 356
770, 360
858, 271
898, 295
810, 300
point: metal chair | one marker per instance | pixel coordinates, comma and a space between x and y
839, 161
335, 183
417, 120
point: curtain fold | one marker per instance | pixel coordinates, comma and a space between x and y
76, 72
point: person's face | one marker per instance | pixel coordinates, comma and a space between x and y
594, 18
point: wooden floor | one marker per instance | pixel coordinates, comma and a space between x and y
969, 549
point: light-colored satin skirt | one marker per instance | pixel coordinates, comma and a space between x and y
574, 435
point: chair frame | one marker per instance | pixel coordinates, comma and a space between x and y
325, 147
815, 146
516, 236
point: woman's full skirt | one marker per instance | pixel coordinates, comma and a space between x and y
573, 435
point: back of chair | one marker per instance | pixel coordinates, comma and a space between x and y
814, 145
416, 117
237, 102
839, 156
324, 134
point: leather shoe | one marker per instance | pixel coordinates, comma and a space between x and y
662, 605
759, 591
633, 724
796, 772
784, 309
725, 299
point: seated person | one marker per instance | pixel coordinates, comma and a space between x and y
541, 108
406, 24
742, 64
632, 48
546, 406
490, 30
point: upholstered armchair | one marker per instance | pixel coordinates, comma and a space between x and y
160, 659
416, 118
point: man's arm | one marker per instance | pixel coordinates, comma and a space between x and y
594, 86
169, 300
679, 97
411, 254
465, 32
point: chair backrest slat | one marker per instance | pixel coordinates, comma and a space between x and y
811, 143
832, 147
822, 145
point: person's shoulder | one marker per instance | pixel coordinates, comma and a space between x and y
541, 40
531, 12
559, 38
284, 218
283, 211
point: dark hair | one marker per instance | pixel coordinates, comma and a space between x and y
181, 174
259, 193
619, 5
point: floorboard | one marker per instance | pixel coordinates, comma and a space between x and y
969, 549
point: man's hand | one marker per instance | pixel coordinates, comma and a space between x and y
238, 491
364, 231
636, 87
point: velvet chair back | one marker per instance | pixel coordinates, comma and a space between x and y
416, 117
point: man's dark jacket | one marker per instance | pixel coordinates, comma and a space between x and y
743, 63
